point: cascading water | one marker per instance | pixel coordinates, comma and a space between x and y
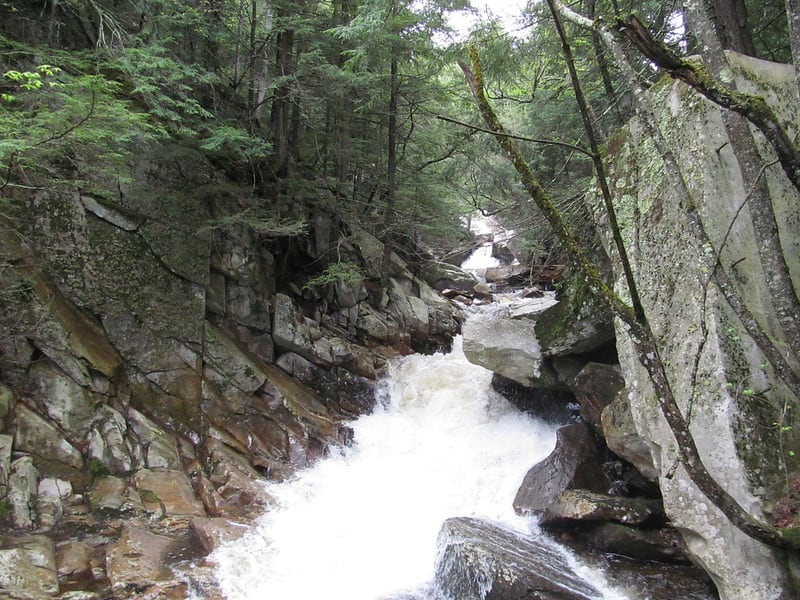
363, 524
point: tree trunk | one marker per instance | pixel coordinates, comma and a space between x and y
281, 105
793, 16
732, 27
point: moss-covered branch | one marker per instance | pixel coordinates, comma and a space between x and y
752, 107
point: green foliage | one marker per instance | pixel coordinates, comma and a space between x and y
261, 221
344, 272
48, 115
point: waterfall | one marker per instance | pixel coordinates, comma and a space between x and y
363, 523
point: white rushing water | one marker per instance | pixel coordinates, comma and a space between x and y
363, 524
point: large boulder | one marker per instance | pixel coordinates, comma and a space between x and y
720, 377
505, 346
441, 276
483, 561
28, 567
573, 463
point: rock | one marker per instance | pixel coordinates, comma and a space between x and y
482, 561
22, 487
64, 401
290, 333
213, 532
235, 482
578, 323
505, 346
441, 276
664, 545
552, 404
137, 561
582, 505
28, 567
38, 437
507, 274
708, 357
160, 447
170, 490
107, 444
6, 403
595, 387
112, 495
352, 395
574, 463
410, 311
483, 291
74, 560
656, 580
6, 442
349, 293
52, 494
619, 431
232, 365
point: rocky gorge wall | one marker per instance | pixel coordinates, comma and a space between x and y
156, 365
742, 416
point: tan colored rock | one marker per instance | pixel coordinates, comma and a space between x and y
40, 438
171, 489
137, 560
22, 491
74, 559
112, 494
28, 567
213, 532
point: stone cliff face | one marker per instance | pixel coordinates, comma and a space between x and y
740, 412
156, 363
742, 416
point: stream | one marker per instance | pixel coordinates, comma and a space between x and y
363, 524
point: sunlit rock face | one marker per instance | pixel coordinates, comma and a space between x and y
730, 395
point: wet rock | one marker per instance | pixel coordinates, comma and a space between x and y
483, 561
642, 544
235, 482
574, 463
6, 442
441, 276
483, 291
22, 486
113, 495
622, 438
213, 532
160, 447
657, 580
582, 505
40, 438
552, 404
107, 444
350, 394
138, 560
52, 494
28, 567
505, 346
167, 492
595, 387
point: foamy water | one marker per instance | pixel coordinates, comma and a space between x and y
363, 524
